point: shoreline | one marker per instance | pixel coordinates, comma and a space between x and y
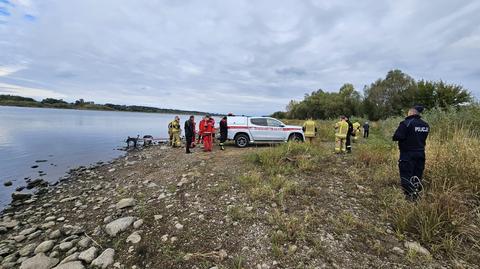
161, 208
181, 112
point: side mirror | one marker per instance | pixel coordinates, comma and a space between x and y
282, 125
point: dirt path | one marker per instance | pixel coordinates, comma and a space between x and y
192, 211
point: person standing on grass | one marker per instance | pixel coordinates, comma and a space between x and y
223, 132
356, 131
310, 129
366, 129
189, 133
341, 129
411, 135
348, 141
201, 127
174, 131
208, 131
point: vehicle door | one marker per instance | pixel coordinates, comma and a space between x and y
276, 130
259, 129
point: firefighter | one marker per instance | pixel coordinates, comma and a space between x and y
175, 131
189, 134
310, 129
356, 131
411, 135
201, 126
207, 133
348, 140
341, 129
223, 132
366, 129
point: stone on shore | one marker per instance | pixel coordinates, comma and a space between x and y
27, 250
9, 224
39, 261
70, 258
128, 202
118, 225
65, 246
88, 255
105, 259
55, 234
417, 248
44, 246
28, 231
84, 242
20, 196
134, 238
137, 224
71, 265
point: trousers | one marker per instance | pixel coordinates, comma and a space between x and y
207, 142
188, 143
176, 141
411, 164
340, 145
348, 143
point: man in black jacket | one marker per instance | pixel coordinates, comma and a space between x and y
189, 133
366, 130
223, 132
348, 142
411, 135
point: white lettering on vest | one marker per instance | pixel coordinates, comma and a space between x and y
421, 129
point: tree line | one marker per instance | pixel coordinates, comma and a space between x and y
386, 97
14, 100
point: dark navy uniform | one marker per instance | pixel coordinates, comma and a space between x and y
223, 132
189, 134
366, 130
348, 142
411, 135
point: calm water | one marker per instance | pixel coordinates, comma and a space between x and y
66, 139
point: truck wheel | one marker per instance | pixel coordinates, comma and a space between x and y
241, 140
295, 138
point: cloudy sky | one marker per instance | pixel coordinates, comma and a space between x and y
241, 56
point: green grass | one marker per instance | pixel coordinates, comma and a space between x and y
445, 218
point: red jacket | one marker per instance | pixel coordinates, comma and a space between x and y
209, 127
201, 127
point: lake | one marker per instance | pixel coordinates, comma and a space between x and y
66, 139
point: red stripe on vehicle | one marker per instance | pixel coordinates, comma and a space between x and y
265, 128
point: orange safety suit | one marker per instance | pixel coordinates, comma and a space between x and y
208, 132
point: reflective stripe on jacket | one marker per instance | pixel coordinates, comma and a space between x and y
341, 129
309, 128
174, 126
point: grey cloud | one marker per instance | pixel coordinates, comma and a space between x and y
291, 71
248, 56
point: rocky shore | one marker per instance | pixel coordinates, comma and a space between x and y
36, 234
97, 217
161, 208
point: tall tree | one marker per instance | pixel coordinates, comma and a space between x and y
389, 96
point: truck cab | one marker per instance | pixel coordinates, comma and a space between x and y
253, 130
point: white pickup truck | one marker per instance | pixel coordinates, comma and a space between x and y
249, 130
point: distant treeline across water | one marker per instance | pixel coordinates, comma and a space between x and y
14, 100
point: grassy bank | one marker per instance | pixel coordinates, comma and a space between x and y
447, 217
446, 220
